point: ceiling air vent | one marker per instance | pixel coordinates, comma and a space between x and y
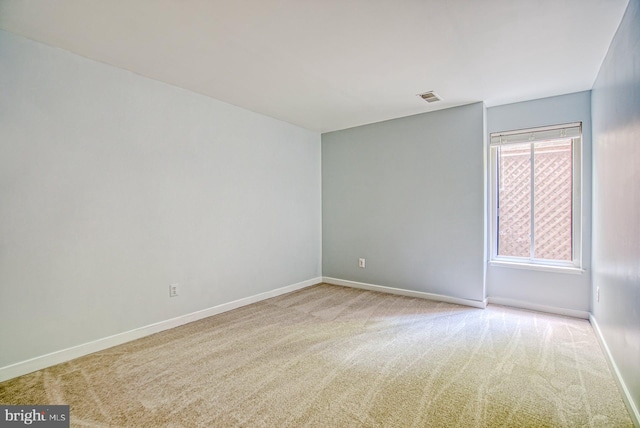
430, 97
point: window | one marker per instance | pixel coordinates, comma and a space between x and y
535, 196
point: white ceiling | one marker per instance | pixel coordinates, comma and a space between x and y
332, 64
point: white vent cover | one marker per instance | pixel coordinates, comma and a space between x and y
430, 97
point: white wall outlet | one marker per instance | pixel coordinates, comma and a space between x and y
597, 294
174, 290
361, 263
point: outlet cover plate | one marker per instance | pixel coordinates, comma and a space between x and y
174, 290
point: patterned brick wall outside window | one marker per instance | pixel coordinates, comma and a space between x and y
552, 195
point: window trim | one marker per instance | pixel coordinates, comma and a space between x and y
570, 130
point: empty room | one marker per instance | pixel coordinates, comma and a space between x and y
278, 213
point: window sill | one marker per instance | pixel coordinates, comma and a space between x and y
545, 268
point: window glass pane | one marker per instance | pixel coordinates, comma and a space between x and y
552, 200
514, 200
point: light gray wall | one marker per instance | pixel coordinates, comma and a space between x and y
559, 290
113, 186
407, 195
616, 197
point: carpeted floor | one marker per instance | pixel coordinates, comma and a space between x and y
330, 356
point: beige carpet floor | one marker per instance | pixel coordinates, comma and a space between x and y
329, 356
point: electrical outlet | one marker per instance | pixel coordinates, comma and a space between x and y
174, 290
597, 294
361, 263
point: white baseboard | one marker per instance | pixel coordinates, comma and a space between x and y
539, 308
626, 395
57, 357
420, 294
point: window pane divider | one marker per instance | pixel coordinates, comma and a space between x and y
532, 248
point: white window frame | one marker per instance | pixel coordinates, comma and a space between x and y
570, 130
